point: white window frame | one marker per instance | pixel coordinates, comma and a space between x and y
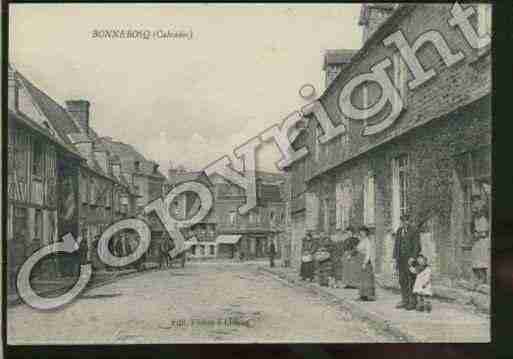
338, 205
484, 19
232, 217
399, 194
344, 204
369, 201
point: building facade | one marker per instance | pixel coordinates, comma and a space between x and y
91, 188
433, 162
249, 235
35, 189
200, 237
224, 232
146, 182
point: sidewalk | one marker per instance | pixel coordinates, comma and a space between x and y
54, 287
448, 322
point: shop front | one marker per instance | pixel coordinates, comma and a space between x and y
228, 246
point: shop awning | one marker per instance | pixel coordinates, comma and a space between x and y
228, 238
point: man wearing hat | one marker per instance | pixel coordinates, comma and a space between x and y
407, 246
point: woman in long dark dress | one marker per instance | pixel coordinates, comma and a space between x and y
351, 261
367, 290
307, 264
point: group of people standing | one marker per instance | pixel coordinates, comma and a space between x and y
348, 262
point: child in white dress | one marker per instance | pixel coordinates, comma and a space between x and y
422, 287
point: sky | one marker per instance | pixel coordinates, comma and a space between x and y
185, 101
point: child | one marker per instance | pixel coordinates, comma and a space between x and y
422, 287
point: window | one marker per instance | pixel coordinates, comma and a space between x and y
343, 145
20, 226
484, 19
92, 189
232, 217
202, 250
252, 217
331, 73
37, 158
399, 188
212, 250
193, 250
474, 172
38, 224
19, 155
369, 201
124, 204
137, 166
344, 203
115, 200
325, 206
108, 198
400, 76
84, 188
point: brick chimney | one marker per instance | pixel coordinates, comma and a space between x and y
84, 145
372, 15
13, 90
80, 111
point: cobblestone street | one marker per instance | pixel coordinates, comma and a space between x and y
204, 302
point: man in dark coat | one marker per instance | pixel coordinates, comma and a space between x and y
272, 253
83, 250
165, 247
407, 246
